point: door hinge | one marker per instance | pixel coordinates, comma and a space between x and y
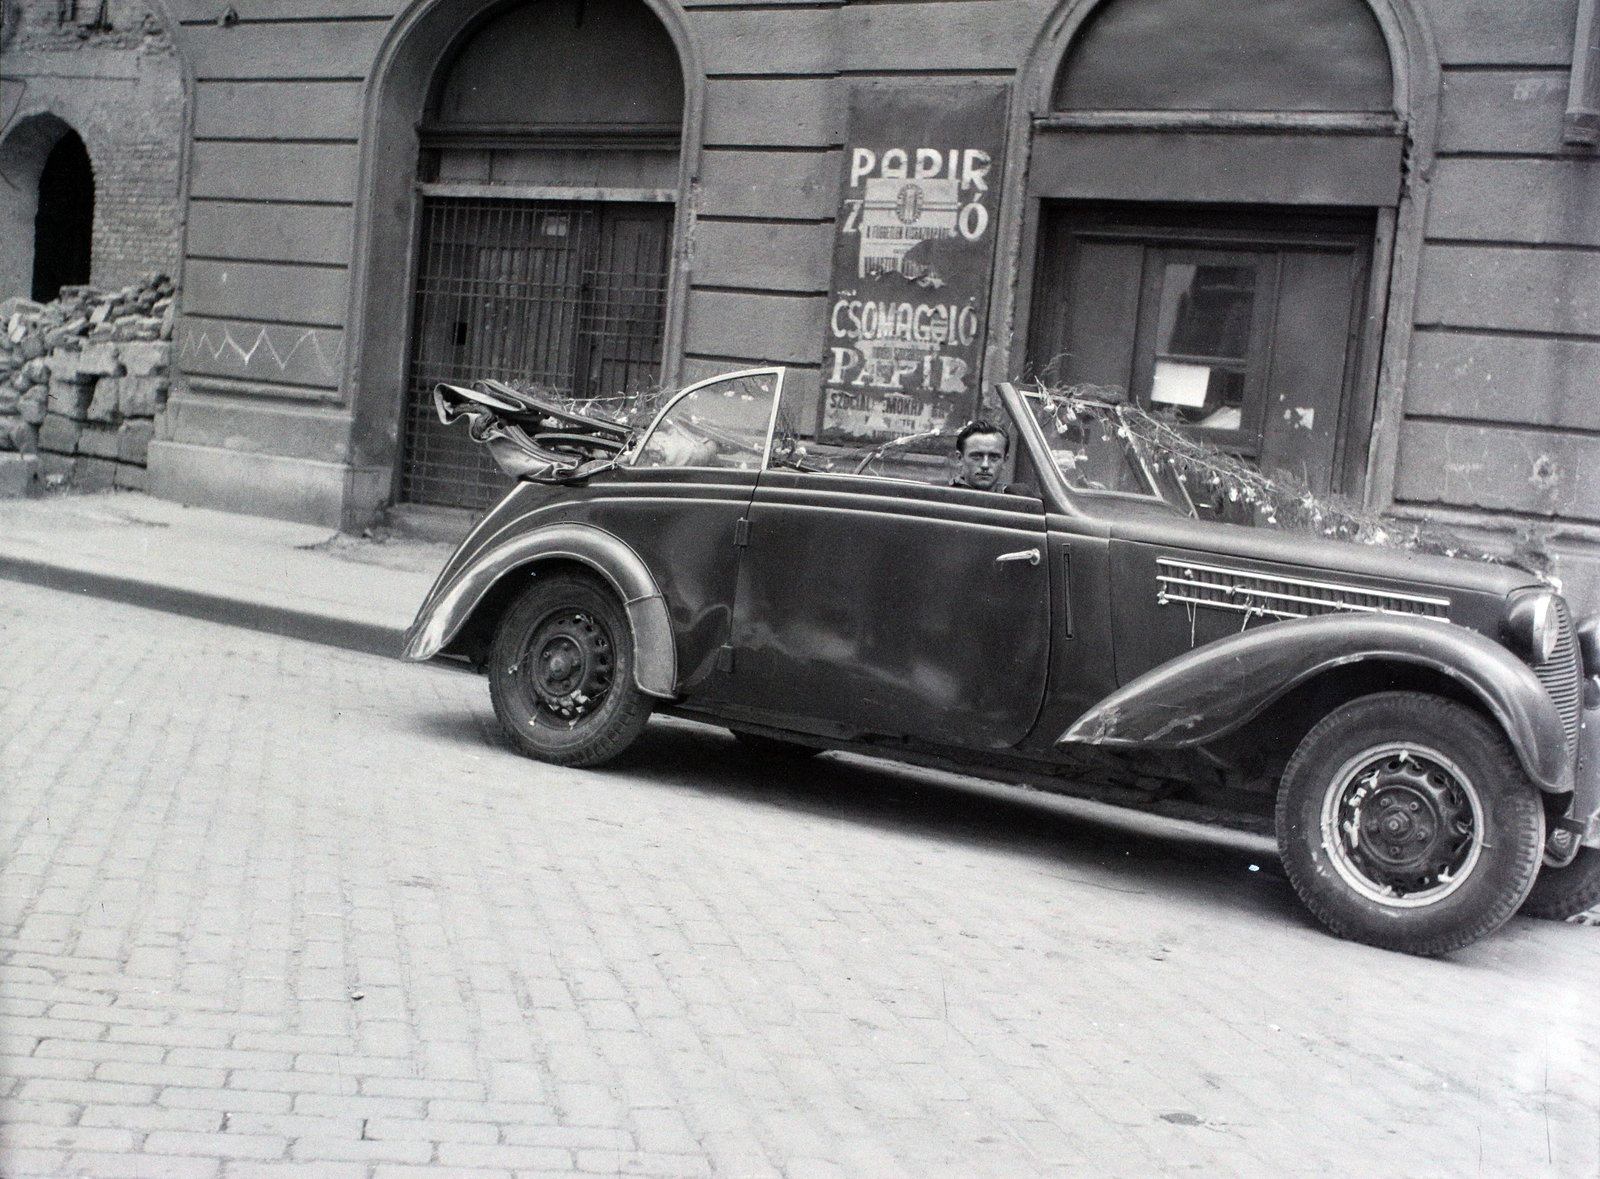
725, 658
741, 532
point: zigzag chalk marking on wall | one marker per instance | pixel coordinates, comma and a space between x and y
201, 343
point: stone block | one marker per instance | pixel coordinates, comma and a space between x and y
19, 475
145, 358
18, 305
19, 380
136, 327
59, 434
34, 404
16, 434
99, 360
130, 477
63, 364
37, 371
103, 408
94, 474
140, 397
67, 331
32, 345
98, 441
25, 437
10, 400
133, 441
70, 399
55, 469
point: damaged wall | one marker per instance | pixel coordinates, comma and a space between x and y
109, 72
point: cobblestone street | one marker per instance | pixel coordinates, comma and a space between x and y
276, 909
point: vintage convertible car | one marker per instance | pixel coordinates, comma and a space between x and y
1414, 723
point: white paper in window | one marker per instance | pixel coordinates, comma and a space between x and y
1181, 384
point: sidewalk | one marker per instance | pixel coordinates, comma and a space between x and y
291, 579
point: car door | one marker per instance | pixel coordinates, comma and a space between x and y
876, 599
679, 503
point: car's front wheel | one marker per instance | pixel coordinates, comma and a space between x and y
1405, 821
561, 672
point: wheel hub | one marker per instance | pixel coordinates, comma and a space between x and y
569, 665
1404, 822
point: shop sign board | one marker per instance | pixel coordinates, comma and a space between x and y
913, 253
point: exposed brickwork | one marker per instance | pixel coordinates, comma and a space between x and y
120, 88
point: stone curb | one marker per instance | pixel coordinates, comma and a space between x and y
367, 637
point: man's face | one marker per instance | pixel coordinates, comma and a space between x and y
982, 456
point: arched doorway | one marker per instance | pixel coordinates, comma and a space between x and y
548, 182
63, 229
46, 208
1214, 187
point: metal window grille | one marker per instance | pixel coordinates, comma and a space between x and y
569, 295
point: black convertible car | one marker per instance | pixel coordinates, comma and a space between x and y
1416, 724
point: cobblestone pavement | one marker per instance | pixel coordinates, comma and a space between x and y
277, 909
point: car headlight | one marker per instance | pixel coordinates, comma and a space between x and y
1533, 624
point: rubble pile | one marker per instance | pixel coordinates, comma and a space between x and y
81, 380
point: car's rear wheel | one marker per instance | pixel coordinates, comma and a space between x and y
561, 672
1565, 892
1405, 821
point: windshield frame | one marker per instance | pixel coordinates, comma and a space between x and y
1068, 498
777, 371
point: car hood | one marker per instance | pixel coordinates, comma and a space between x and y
1318, 555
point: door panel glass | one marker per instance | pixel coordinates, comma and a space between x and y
720, 425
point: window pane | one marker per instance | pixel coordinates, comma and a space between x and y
1203, 342
721, 425
1205, 310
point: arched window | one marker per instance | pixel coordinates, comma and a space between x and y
1213, 178
1228, 55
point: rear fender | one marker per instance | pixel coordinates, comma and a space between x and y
450, 603
1208, 692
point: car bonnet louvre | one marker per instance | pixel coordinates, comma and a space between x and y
1266, 595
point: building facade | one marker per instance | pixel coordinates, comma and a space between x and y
1358, 240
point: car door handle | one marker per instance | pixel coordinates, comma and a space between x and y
1031, 556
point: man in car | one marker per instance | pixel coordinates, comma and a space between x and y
982, 448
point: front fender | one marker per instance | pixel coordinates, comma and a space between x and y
451, 602
1210, 691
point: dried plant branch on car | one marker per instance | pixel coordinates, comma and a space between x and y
1276, 500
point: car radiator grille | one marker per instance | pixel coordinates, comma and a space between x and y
1266, 596
1562, 676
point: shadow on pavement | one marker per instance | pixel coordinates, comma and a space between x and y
1066, 837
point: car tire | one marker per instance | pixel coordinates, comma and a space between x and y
561, 672
1454, 828
1560, 893
774, 747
